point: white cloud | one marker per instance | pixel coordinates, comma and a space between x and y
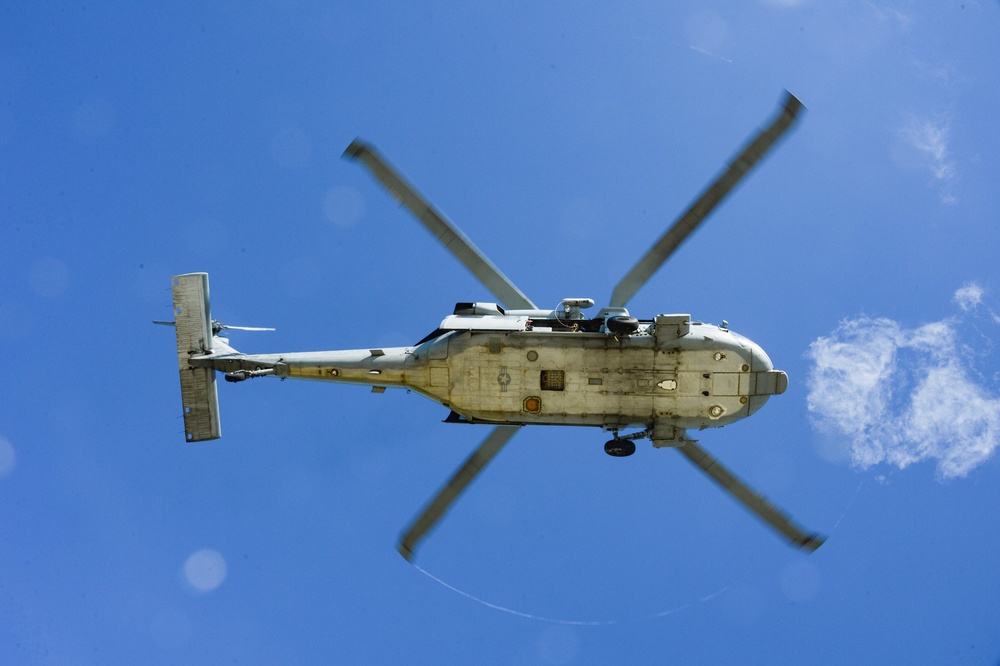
900, 396
968, 296
928, 137
951, 420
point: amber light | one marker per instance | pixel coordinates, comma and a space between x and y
533, 404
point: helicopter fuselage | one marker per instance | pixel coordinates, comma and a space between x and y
668, 375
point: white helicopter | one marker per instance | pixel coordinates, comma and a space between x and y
512, 364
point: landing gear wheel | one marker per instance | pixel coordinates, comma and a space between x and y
619, 448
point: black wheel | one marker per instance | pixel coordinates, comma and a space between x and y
622, 324
619, 448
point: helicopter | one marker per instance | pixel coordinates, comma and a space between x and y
510, 364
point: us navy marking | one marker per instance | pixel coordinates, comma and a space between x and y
503, 379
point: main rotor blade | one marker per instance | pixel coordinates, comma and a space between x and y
456, 484
766, 511
706, 203
443, 229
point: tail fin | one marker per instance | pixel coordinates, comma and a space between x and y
193, 322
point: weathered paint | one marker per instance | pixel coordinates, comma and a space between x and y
706, 377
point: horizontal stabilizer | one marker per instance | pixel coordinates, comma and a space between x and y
201, 404
193, 323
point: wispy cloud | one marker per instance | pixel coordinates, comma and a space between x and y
888, 14
899, 396
968, 296
929, 138
944, 74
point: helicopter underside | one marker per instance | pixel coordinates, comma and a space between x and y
699, 376
518, 365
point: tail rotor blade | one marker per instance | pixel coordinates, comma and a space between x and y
443, 229
764, 510
218, 327
703, 206
451, 490
245, 328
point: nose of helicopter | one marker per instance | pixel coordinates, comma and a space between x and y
768, 380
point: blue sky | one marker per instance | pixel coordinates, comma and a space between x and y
138, 143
